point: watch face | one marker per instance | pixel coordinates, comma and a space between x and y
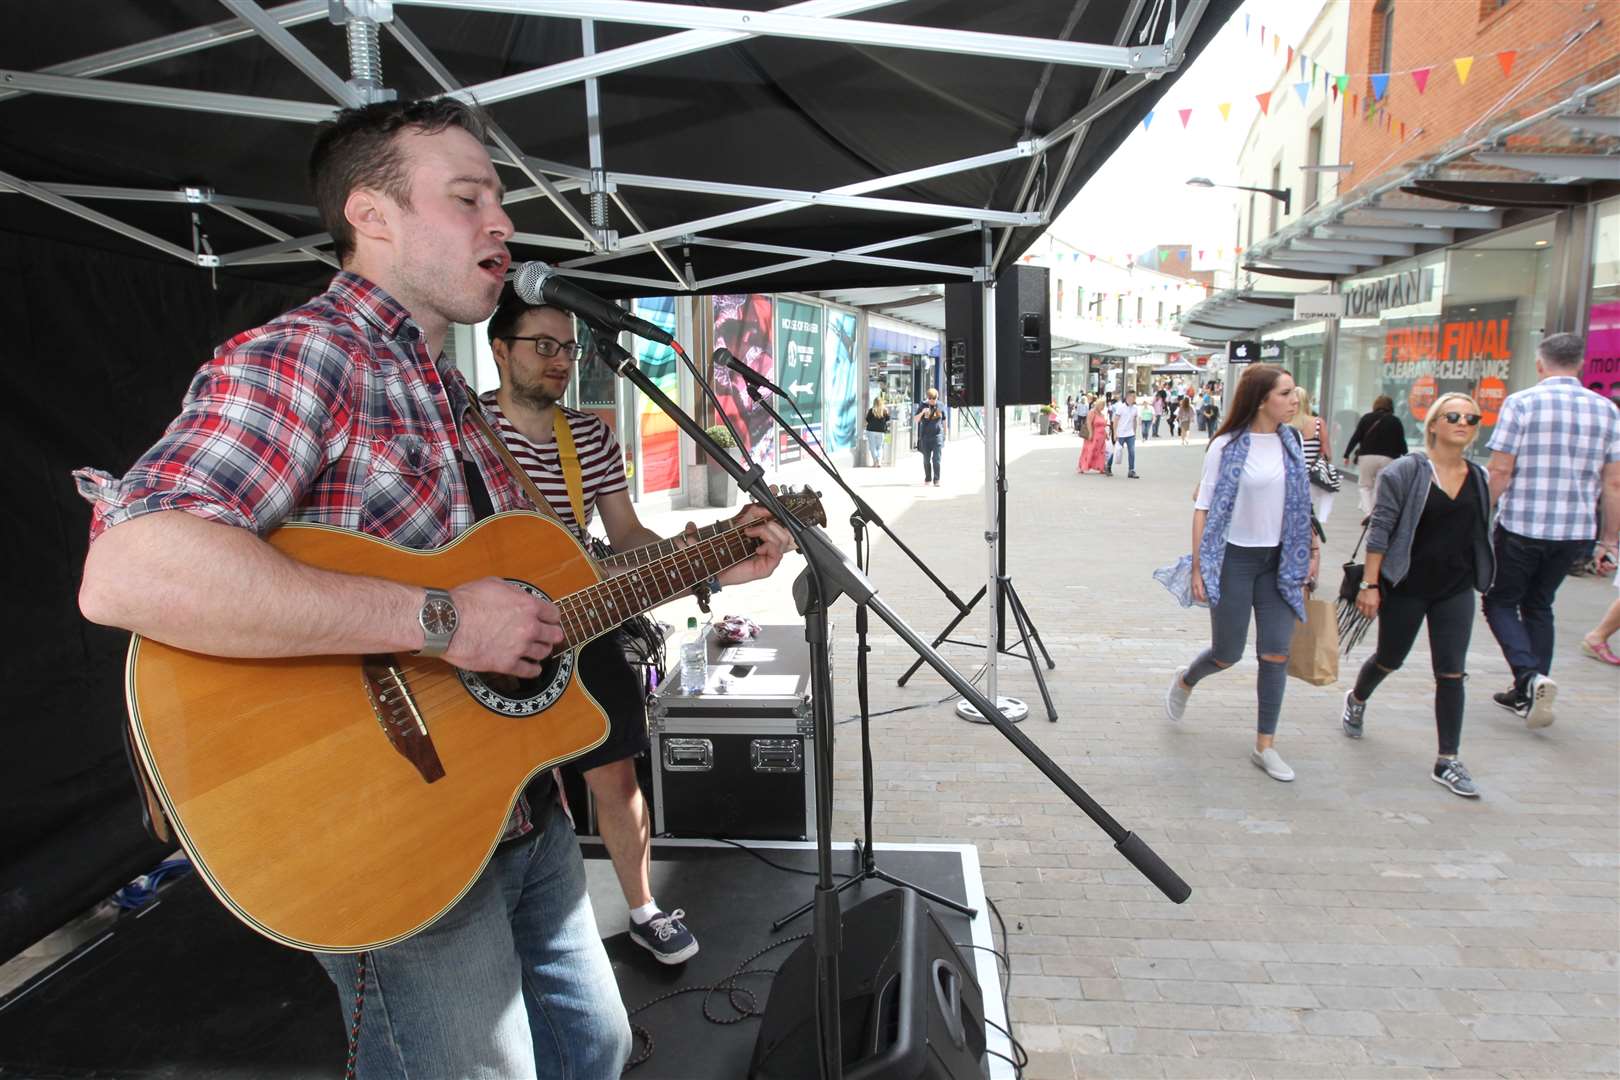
439, 617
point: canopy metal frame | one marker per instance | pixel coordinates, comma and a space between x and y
696, 28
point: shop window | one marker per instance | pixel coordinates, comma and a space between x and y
1079, 300
1313, 157
1119, 311
1383, 35
1276, 204
1138, 309
1161, 312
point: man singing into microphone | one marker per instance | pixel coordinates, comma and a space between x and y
345, 412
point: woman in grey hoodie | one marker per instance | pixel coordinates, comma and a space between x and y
1428, 552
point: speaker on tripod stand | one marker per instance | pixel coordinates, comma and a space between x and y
912, 1009
1023, 340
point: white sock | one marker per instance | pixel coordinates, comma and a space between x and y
646, 911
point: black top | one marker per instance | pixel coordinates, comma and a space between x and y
1443, 545
874, 422
1378, 432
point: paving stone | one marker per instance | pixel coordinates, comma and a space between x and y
1493, 1028
1342, 1022
1261, 1020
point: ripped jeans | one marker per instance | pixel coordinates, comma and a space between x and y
1249, 583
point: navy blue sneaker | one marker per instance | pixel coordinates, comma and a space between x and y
666, 937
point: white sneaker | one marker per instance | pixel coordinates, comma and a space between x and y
1175, 699
1541, 693
1271, 761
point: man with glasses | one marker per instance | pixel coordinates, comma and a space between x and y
535, 350
1552, 445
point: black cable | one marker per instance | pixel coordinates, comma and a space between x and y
776, 865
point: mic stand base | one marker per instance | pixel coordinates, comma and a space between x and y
1028, 637
1012, 708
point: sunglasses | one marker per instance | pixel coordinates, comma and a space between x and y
1472, 419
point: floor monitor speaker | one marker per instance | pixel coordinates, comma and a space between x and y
912, 1009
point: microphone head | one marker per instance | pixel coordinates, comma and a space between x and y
724, 357
530, 279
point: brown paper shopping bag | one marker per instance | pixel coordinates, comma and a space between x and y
1314, 654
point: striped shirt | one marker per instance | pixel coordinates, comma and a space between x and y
1312, 443
601, 463
1560, 435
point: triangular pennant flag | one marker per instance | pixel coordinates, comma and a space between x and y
1200, 254
1403, 132
1245, 22
1262, 35
1276, 42
1380, 83
1355, 102
1265, 102
1506, 58
1147, 121
1303, 89
1302, 66
1421, 77
1341, 85
1463, 65
1163, 255
1237, 251
1226, 109
1093, 258
1185, 114
1313, 71
1290, 61
1220, 253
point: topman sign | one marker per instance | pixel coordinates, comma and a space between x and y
1397, 290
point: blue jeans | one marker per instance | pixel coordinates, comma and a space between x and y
444, 1003
931, 447
1519, 607
874, 446
1129, 443
1249, 583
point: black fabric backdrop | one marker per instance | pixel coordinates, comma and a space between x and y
99, 347
100, 335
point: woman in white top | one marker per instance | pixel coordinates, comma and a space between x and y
1313, 431
1253, 549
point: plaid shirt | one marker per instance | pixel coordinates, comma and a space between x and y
331, 413
1560, 435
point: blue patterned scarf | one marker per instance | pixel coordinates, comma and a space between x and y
1294, 561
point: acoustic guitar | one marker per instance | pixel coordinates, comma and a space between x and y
341, 803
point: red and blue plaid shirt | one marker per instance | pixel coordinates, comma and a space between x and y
331, 413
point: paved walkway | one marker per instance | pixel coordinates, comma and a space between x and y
1359, 922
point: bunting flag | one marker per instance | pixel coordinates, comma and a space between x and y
1147, 121
1302, 66
1276, 43
1200, 254
1380, 83
1265, 102
1403, 132
1313, 71
1185, 114
1290, 61
1506, 58
1245, 23
1303, 89
1342, 84
1355, 102
1226, 110
1421, 77
1262, 35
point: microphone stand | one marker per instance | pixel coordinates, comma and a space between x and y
829, 573
869, 868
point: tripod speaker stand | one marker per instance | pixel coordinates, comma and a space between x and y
1029, 638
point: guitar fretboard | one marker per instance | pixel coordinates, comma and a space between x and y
602, 606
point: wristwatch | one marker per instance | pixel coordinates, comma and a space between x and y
1365, 585
439, 619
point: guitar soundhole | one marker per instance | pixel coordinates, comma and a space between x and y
511, 695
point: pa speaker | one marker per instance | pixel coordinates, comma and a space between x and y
911, 1010
1023, 336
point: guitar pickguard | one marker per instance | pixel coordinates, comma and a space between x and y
509, 695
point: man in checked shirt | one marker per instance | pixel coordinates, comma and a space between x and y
345, 412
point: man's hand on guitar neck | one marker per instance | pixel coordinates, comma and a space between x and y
500, 628
774, 542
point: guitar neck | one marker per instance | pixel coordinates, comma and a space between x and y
641, 556
603, 606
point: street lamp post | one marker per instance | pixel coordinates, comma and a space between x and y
1283, 195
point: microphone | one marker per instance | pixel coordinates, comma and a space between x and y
724, 357
538, 283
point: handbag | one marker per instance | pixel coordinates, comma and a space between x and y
1324, 475
1313, 655
1352, 624
1085, 426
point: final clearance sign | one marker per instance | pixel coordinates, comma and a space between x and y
1465, 349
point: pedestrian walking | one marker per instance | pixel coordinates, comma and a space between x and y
877, 426
1161, 406
1381, 438
1252, 550
1126, 420
930, 421
1595, 642
1313, 432
1094, 454
1209, 414
1184, 417
1144, 419
1428, 550
1554, 445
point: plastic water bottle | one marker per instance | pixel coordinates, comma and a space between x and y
694, 658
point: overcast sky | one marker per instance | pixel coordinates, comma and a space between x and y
1139, 197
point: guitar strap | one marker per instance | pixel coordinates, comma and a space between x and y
568, 459
541, 506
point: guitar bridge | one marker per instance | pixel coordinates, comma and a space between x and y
397, 714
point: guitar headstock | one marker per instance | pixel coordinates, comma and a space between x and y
805, 503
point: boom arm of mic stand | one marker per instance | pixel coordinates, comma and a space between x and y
862, 507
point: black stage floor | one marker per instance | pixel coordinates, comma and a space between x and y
185, 991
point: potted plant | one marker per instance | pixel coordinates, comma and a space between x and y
722, 488
1048, 411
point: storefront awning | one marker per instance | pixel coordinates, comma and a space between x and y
1234, 313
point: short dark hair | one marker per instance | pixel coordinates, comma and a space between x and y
1383, 403
510, 311
1562, 351
357, 148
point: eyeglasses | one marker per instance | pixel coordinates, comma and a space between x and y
1473, 419
547, 347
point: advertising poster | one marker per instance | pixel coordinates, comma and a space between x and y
742, 324
844, 406
660, 438
1601, 372
798, 350
1468, 348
